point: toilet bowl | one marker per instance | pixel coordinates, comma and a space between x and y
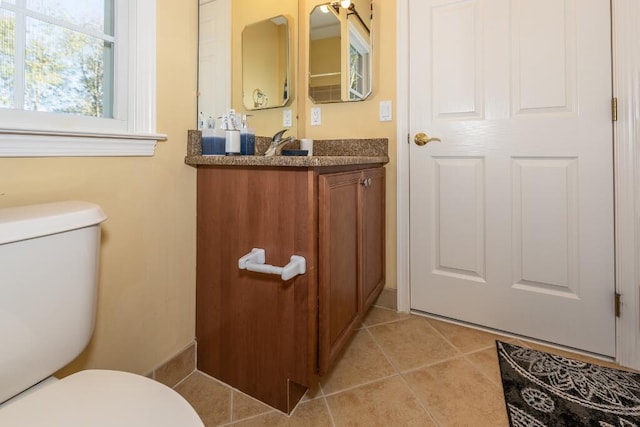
48, 282
100, 398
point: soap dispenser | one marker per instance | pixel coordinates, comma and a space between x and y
232, 133
247, 139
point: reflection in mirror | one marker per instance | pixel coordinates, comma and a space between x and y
266, 71
340, 51
324, 55
359, 43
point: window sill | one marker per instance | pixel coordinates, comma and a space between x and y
28, 143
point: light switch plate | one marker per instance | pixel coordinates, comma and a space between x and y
316, 116
385, 111
287, 118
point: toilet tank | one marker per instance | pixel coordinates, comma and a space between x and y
48, 281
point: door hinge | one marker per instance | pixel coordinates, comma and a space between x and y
614, 109
408, 138
617, 304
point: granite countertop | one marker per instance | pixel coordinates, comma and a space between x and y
328, 152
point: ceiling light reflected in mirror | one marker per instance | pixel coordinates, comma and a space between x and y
340, 51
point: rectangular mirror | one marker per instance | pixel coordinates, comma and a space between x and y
340, 51
266, 64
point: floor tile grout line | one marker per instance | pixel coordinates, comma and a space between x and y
401, 319
353, 387
214, 379
387, 322
499, 335
443, 336
432, 364
384, 353
482, 371
326, 404
422, 404
462, 352
231, 406
459, 352
184, 379
233, 422
231, 390
322, 393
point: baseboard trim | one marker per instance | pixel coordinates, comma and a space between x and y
388, 299
177, 367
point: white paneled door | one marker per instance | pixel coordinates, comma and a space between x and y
512, 210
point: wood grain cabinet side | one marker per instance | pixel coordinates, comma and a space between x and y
255, 331
351, 254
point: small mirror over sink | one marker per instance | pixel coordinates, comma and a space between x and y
266, 67
340, 51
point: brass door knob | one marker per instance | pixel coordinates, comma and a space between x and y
422, 138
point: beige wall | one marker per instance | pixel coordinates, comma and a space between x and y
147, 277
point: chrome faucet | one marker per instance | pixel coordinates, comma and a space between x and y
278, 143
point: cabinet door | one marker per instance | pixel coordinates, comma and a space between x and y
372, 248
339, 296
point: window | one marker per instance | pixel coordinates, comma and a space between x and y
77, 77
359, 73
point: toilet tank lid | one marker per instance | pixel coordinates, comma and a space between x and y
27, 222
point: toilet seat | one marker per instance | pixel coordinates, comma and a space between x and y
100, 398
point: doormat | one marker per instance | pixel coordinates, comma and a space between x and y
542, 389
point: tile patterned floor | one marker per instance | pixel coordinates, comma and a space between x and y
398, 369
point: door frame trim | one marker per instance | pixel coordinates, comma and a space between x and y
626, 87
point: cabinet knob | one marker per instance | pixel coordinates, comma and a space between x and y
365, 182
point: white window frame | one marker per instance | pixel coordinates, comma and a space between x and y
364, 49
133, 130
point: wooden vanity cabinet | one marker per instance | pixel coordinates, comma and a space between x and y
268, 338
351, 254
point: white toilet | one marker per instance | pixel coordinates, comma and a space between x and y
48, 281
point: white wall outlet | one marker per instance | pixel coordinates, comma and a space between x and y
316, 116
385, 111
287, 118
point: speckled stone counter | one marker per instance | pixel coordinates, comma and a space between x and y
328, 152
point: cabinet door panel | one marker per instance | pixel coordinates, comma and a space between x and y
339, 298
372, 235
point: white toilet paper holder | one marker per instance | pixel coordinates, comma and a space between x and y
255, 261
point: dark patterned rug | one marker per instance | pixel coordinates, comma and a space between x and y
542, 389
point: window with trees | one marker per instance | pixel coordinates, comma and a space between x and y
77, 69
57, 59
